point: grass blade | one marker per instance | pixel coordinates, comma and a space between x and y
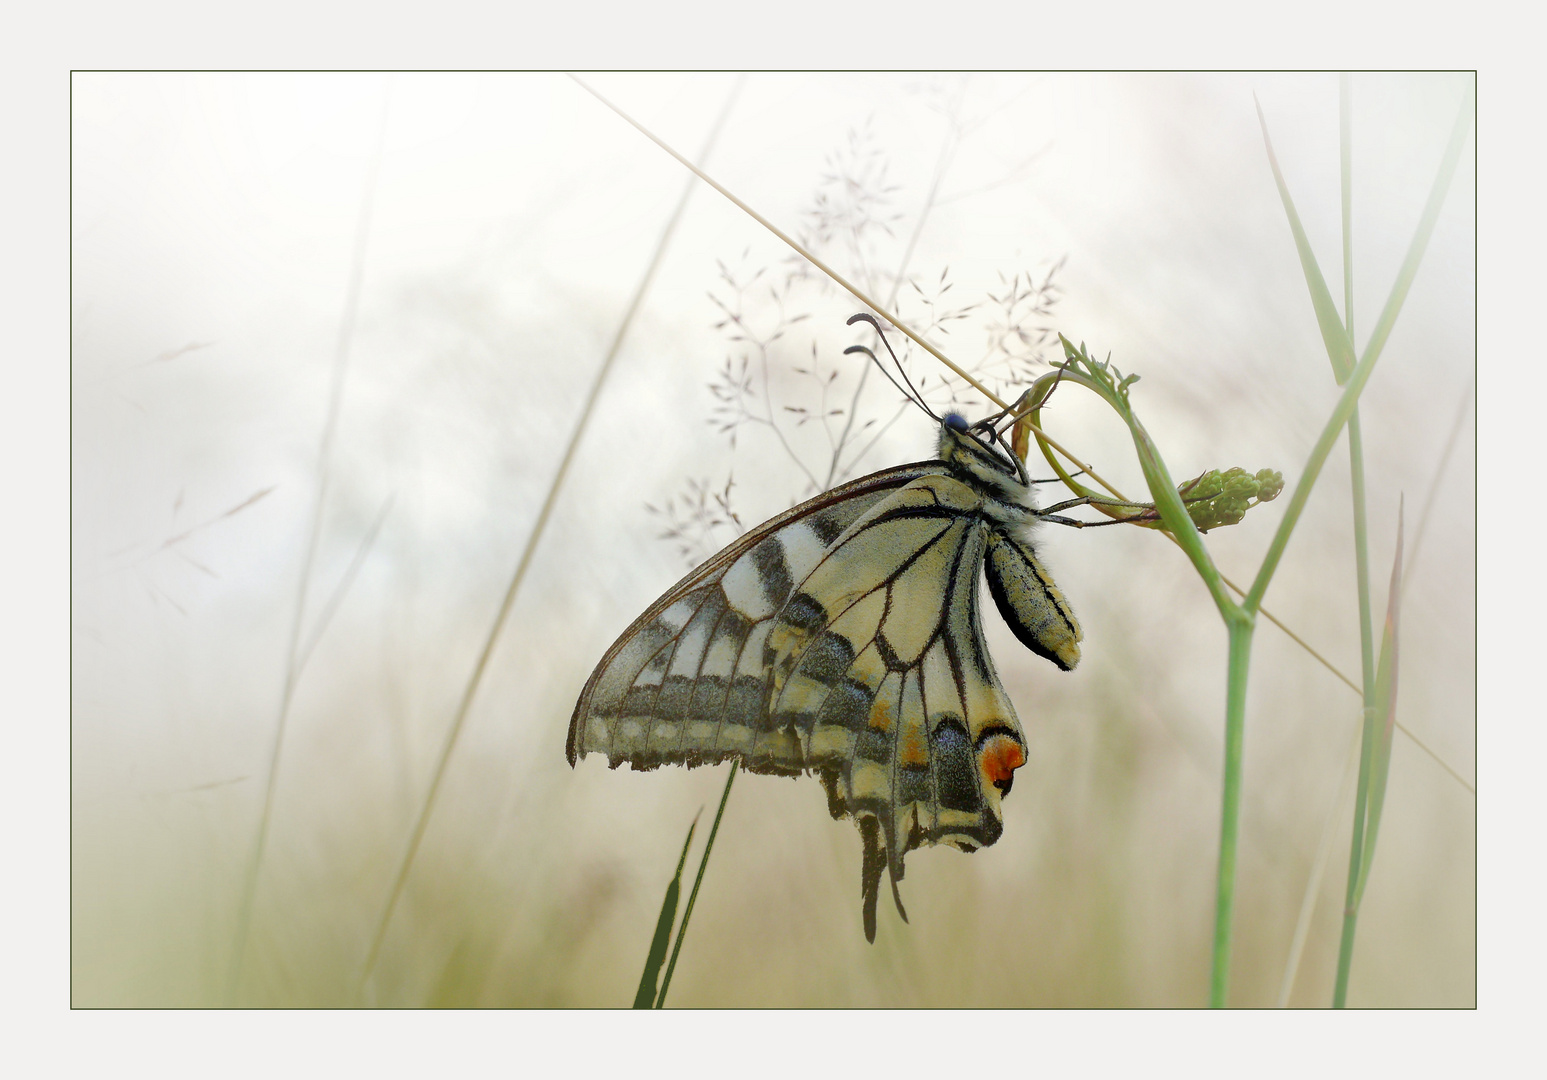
1426, 223
1339, 349
687, 913
644, 997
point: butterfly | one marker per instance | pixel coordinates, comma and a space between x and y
843, 638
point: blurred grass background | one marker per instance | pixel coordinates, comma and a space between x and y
215, 220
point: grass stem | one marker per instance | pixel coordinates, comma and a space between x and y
1230, 815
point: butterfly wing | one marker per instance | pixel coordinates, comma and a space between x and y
688, 682
844, 638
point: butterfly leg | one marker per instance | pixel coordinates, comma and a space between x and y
1059, 519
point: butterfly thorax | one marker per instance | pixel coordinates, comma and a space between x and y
1007, 499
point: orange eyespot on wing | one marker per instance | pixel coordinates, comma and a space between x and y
1001, 755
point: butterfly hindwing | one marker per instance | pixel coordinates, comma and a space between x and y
913, 737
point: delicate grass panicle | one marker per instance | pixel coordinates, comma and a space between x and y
317, 739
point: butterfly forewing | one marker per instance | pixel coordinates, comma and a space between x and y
688, 682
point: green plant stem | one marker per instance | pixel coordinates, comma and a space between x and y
1239, 622
1355, 434
1355, 860
1230, 815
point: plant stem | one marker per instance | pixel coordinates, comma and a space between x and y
1355, 859
1230, 816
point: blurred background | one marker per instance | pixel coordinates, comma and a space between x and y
332, 334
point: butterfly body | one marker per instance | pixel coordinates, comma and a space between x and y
843, 638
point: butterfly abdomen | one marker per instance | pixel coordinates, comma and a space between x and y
1030, 603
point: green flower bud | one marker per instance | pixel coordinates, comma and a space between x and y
1270, 484
1222, 498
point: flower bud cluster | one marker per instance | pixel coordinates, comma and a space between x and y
1222, 498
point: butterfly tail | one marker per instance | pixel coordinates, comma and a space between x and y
870, 873
894, 872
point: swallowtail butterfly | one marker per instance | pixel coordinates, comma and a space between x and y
843, 638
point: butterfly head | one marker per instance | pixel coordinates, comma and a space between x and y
978, 451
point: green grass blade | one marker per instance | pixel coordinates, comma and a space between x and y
1355, 431
660, 1002
644, 997
1339, 349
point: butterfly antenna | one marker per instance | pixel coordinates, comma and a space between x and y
890, 378
911, 392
